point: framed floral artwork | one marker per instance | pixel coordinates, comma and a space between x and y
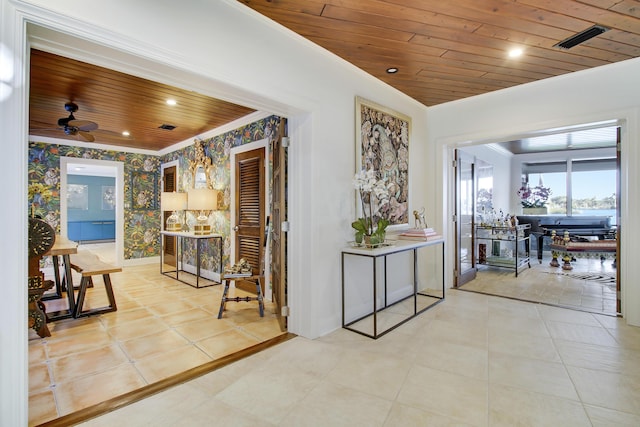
144, 190
108, 197
78, 196
382, 145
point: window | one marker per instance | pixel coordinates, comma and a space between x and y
578, 187
551, 175
593, 188
484, 202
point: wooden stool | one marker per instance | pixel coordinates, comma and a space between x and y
225, 298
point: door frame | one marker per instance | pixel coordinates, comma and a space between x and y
449, 146
461, 277
262, 143
118, 168
163, 166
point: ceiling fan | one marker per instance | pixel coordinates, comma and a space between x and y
84, 130
71, 126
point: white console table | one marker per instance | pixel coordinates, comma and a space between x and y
180, 236
396, 297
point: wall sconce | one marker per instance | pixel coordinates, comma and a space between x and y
173, 202
202, 200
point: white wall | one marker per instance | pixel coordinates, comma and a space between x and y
219, 48
610, 92
13, 254
232, 47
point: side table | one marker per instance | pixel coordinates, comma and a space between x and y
180, 236
394, 295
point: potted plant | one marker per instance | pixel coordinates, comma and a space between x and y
534, 200
374, 195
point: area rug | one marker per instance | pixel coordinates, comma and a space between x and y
603, 278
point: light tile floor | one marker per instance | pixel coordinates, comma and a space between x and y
473, 360
590, 286
162, 327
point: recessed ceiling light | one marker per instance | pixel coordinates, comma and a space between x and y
392, 70
125, 133
171, 102
514, 53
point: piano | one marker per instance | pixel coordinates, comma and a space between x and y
598, 227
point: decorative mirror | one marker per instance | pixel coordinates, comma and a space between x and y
200, 168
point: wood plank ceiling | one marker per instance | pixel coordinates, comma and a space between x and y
444, 51
448, 50
118, 102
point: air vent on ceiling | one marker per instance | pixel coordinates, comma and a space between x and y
167, 127
581, 37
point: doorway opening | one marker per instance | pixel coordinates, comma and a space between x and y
512, 250
179, 357
248, 228
95, 168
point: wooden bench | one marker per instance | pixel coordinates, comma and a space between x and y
569, 251
89, 265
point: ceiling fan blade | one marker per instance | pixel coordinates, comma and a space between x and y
84, 125
86, 136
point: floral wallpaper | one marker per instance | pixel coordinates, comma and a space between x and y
218, 149
142, 221
142, 173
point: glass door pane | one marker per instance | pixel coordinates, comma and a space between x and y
465, 212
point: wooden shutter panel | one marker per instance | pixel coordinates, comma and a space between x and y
250, 192
250, 207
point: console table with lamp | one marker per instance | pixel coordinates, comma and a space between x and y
179, 267
201, 199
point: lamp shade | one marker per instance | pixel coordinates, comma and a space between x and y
173, 201
202, 199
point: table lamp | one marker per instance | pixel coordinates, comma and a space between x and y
173, 202
202, 200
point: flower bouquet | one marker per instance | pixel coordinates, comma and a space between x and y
374, 195
535, 197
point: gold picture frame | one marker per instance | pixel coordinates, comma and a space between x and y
200, 167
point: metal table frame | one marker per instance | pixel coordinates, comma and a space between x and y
400, 246
62, 247
181, 235
507, 234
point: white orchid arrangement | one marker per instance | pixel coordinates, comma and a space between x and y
374, 195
